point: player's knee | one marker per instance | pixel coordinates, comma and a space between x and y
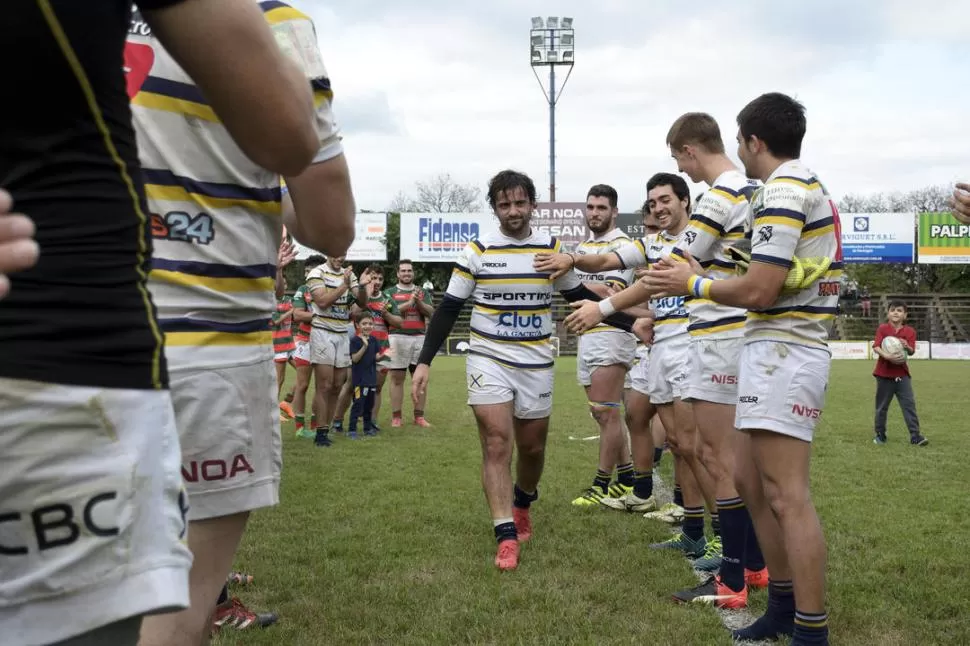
496, 448
785, 501
604, 412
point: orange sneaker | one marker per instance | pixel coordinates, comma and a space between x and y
422, 422
507, 557
287, 409
523, 524
715, 593
756, 578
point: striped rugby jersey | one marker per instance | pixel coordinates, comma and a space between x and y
283, 332
335, 318
618, 279
302, 301
670, 312
793, 215
511, 321
720, 217
215, 215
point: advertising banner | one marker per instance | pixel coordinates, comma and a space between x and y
943, 240
370, 241
563, 220
878, 237
440, 237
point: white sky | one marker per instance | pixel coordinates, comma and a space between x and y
432, 86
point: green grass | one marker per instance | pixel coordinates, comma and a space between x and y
388, 540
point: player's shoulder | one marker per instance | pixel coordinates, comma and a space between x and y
791, 180
733, 187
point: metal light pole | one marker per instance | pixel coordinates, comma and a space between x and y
552, 43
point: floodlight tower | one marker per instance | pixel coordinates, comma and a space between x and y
552, 44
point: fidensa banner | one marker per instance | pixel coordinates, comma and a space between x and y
943, 240
878, 237
440, 237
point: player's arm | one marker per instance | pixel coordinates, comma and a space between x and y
775, 234
877, 344
358, 354
390, 317
324, 296
425, 305
592, 312
908, 337
557, 264
573, 290
260, 96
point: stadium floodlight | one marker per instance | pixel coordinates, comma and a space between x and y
552, 42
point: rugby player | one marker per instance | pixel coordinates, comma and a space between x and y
91, 492
784, 363
217, 223
510, 369
415, 307
302, 357
333, 288
605, 355
668, 198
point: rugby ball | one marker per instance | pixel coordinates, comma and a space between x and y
892, 345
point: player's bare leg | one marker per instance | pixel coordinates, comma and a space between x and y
783, 463
495, 431
678, 419
324, 382
639, 415
530, 444
300, 387
340, 406
397, 396
419, 403
605, 398
779, 618
381, 380
213, 543
340, 380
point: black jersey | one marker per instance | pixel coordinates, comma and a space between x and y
82, 315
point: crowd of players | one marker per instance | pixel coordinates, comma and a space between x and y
152, 200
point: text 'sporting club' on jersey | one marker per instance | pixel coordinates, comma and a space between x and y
215, 215
618, 279
670, 312
721, 217
793, 215
336, 317
511, 320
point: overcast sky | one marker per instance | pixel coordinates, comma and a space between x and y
430, 86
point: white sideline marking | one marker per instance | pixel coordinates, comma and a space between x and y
585, 439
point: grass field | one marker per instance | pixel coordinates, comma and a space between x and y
388, 540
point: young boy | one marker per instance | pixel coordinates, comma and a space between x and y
892, 375
365, 352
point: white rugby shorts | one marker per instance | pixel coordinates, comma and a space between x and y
92, 509
606, 348
637, 377
229, 426
782, 388
405, 350
667, 372
329, 348
491, 382
713, 375
302, 353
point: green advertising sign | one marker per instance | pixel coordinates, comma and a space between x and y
943, 240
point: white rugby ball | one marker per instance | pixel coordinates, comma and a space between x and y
892, 345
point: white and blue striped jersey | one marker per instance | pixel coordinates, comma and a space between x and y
618, 279
670, 312
336, 318
216, 216
721, 216
511, 321
793, 215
